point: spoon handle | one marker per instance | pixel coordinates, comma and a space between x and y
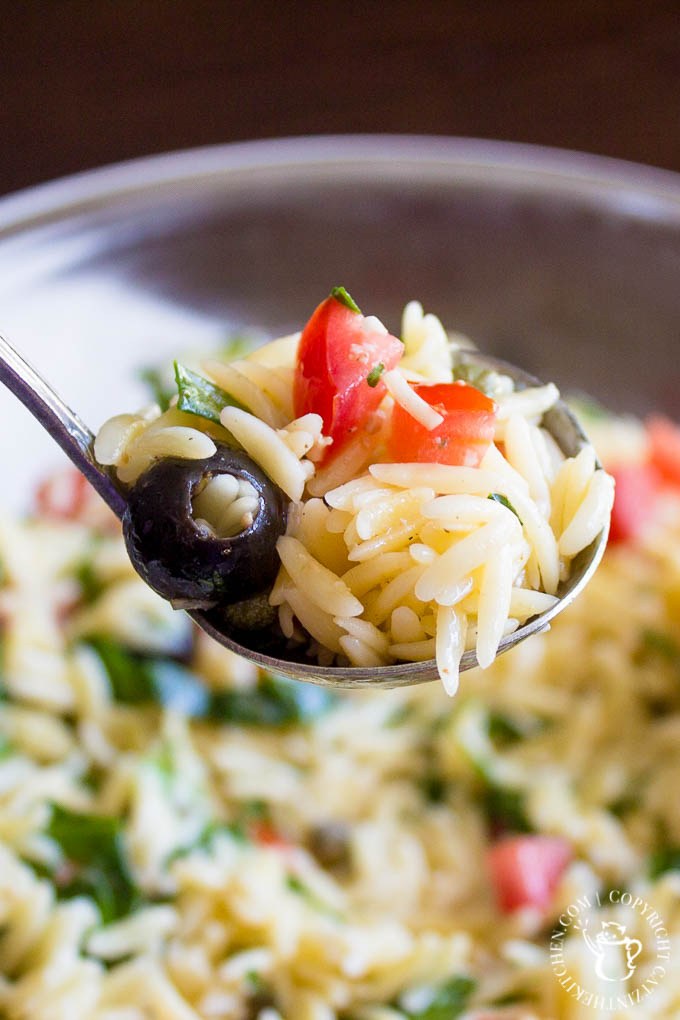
63, 425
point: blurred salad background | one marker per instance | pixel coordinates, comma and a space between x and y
83, 84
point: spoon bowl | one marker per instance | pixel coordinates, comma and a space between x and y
77, 441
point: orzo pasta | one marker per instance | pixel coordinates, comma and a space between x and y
184, 838
427, 510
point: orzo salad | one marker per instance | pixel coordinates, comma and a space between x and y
367, 498
183, 837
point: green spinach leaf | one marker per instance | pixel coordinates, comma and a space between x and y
199, 396
664, 858
449, 1002
94, 862
160, 388
505, 809
273, 701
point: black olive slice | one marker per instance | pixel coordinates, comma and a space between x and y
185, 561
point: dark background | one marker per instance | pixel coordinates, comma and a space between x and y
87, 82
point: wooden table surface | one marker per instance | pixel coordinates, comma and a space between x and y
88, 82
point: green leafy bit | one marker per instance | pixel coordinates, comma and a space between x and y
449, 1001
296, 885
505, 809
403, 714
234, 831
6, 749
255, 981
497, 497
91, 585
662, 644
137, 679
373, 376
512, 998
477, 376
199, 396
273, 701
504, 730
434, 787
341, 295
665, 858
161, 389
587, 409
255, 810
624, 804
238, 345
3, 692
94, 862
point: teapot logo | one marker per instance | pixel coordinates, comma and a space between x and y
623, 979
612, 949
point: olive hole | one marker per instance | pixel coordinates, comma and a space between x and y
225, 505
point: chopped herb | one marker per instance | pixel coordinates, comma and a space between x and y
475, 375
162, 389
666, 858
234, 830
255, 810
136, 679
449, 1001
90, 584
236, 346
497, 497
94, 861
254, 981
297, 886
662, 644
273, 701
505, 809
623, 805
512, 998
3, 690
6, 749
400, 716
341, 295
504, 730
199, 396
588, 409
373, 376
434, 787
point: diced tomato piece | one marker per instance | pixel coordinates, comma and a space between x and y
462, 438
265, 834
341, 356
636, 491
63, 496
526, 870
68, 496
664, 448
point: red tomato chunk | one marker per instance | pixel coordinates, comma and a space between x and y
341, 357
664, 448
463, 437
264, 834
637, 488
63, 496
526, 870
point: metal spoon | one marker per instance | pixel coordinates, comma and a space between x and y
77, 441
